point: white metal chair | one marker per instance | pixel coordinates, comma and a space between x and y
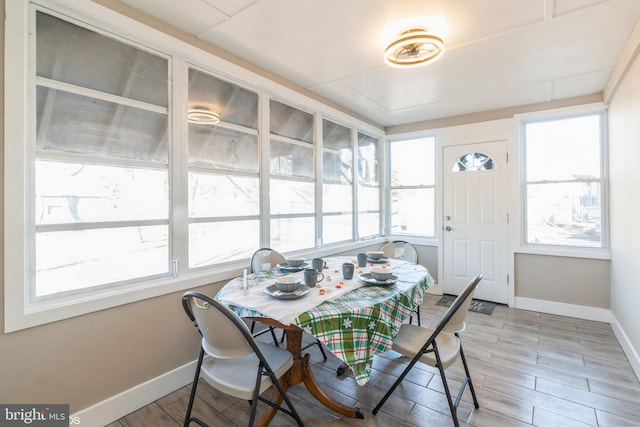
399, 249
264, 259
439, 347
232, 361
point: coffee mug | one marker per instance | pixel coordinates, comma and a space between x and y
312, 276
318, 264
362, 260
347, 270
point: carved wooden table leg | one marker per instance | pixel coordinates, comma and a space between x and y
300, 372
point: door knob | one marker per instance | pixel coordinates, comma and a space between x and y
447, 218
447, 228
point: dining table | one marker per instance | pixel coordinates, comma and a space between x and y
353, 318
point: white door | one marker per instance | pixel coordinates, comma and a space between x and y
475, 219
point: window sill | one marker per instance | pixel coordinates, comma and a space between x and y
566, 252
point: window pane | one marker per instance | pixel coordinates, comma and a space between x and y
216, 242
412, 211
368, 199
81, 193
291, 123
78, 124
81, 57
412, 162
291, 234
337, 198
122, 254
564, 214
221, 148
336, 167
292, 197
565, 149
368, 224
564, 181
213, 195
473, 162
231, 103
291, 159
368, 186
337, 228
335, 136
368, 171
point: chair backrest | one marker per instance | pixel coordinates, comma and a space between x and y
453, 319
399, 249
265, 258
224, 334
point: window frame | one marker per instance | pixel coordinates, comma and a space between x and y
20, 114
421, 238
601, 252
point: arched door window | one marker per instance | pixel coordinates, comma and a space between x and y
473, 162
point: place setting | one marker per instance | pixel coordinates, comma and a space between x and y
376, 257
287, 287
379, 276
293, 264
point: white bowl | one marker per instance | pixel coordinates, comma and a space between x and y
381, 274
375, 255
295, 261
287, 283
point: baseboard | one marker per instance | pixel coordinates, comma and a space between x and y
116, 407
562, 309
627, 347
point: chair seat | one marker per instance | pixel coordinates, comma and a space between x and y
411, 338
237, 377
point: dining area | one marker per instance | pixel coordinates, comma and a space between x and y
354, 307
527, 368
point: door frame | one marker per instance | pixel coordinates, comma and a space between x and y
447, 137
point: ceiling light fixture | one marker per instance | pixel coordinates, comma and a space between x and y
413, 48
202, 116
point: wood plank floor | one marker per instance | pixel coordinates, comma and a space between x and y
528, 368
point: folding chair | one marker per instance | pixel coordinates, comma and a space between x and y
399, 249
232, 361
439, 347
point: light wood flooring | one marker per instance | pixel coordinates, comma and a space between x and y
528, 368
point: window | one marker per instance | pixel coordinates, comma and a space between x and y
292, 192
412, 186
101, 161
337, 183
473, 162
564, 181
114, 192
224, 203
368, 186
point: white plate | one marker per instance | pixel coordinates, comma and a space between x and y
378, 261
298, 293
287, 267
366, 278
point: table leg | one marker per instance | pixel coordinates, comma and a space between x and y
300, 372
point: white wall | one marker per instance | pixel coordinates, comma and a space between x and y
624, 155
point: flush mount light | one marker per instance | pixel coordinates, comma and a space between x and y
202, 116
414, 48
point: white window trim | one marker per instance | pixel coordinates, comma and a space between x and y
412, 238
20, 315
517, 171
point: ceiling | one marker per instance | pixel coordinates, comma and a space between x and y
499, 53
